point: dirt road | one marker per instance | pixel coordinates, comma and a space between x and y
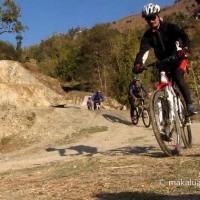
54, 124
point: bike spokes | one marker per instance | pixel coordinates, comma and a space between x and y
166, 127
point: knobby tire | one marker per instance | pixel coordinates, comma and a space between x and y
134, 116
146, 117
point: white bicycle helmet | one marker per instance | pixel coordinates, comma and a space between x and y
150, 9
135, 79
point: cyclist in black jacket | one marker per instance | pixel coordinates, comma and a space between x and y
162, 37
134, 92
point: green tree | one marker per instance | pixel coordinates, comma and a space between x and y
95, 54
124, 48
9, 17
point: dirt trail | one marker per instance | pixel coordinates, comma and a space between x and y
56, 123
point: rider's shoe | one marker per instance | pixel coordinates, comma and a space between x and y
165, 136
191, 110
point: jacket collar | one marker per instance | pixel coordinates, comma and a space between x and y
155, 29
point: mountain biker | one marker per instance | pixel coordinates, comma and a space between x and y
162, 37
134, 92
97, 98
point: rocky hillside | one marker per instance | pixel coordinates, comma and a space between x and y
28, 102
21, 89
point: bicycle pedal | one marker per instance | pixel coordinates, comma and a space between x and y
166, 138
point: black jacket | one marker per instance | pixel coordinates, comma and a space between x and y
162, 41
134, 90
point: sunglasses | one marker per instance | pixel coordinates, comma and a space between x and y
151, 18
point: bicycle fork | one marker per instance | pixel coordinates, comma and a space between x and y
166, 109
170, 99
160, 111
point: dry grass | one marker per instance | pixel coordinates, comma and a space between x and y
131, 22
101, 176
86, 132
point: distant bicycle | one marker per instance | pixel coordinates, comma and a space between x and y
97, 105
90, 103
140, 110
90, 106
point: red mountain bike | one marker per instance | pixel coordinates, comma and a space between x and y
170, 122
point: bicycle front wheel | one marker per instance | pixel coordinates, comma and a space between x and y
146, 117
166, 127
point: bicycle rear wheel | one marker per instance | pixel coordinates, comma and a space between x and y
166, 131
134, 116
187, 136
146, 117
186, 124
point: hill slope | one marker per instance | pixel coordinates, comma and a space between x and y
187, 7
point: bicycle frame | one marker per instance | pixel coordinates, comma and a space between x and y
167, 86
139, 106
97, 105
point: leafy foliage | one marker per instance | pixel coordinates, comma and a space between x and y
100, 57
9, 23
9, 17
7, 51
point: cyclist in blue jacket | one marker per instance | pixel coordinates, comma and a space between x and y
97, 98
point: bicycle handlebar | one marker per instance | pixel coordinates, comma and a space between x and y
159, 63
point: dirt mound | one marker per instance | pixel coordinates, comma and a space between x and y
21, 94
29, 104
20, 89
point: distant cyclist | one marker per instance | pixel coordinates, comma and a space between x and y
162, 37
97, 98
134, 92
89, 103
